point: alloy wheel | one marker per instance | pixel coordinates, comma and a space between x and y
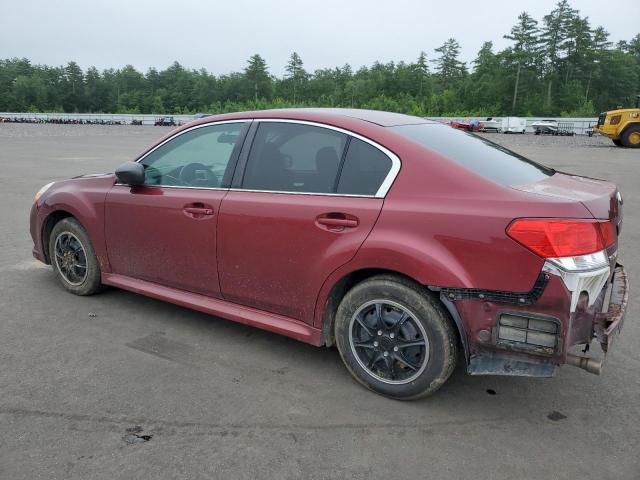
388, 342
70, 258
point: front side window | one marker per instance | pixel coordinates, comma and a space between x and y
197, 158
291, 157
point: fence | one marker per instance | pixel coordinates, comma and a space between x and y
579, 126
115, 118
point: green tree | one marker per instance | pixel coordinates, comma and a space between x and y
448, 66
525, 51
553, 38
257, 75
296, 75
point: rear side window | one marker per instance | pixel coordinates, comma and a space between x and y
488, 159
290, 157
365, 168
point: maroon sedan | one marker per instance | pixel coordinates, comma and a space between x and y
404, 242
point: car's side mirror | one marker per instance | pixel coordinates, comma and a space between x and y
130, 173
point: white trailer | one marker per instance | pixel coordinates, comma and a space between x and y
513, 125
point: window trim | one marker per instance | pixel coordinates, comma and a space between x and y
384, 186
181, 132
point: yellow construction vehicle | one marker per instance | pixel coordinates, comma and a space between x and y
622, 126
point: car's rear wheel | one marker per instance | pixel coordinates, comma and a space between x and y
73, 259
395, 338
631, 137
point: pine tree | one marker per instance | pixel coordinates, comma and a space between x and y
421, 68
258, 76
447, 64
553, 38
296, 73
526, 48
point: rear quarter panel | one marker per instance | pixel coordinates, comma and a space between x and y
444, 226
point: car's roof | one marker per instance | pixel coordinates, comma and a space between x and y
327, 115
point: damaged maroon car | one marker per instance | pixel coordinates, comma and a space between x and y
409, 245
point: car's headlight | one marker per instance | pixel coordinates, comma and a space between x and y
42, 190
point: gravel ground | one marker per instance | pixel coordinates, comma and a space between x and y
529, 139
122, 386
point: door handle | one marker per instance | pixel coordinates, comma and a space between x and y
337, 222
197, 210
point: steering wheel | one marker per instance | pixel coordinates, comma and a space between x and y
198, 174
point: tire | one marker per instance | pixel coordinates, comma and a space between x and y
433, 348
70, 238
630, 138
616, 142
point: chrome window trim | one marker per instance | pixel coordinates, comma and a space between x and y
382, 190
303, 193
384, 186
170, 186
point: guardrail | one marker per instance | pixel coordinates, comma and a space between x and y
99, 118
579, 126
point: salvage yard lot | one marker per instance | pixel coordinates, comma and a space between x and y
122, 386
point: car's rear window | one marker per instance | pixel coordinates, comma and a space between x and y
475, 153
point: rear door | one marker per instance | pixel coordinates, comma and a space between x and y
291, 219
165, 230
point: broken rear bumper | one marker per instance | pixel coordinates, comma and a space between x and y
607, 325
490, 352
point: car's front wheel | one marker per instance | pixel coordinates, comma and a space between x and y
395, 338
73, 259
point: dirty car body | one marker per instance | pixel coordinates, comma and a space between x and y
302, 208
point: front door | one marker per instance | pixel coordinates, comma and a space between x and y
165, 230
288, 226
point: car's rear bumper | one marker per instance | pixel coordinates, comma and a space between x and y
489, 354
607, 325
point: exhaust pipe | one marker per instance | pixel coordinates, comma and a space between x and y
591, 365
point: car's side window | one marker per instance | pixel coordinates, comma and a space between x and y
292, 157
365, 168
197, 158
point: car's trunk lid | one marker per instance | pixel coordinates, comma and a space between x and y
600, 197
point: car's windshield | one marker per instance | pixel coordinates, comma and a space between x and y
475, 153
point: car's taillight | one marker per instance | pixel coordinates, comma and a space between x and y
554, 238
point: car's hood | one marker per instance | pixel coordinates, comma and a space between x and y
598, 196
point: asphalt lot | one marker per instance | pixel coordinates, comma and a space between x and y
221, 400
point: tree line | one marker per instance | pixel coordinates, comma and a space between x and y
560, 65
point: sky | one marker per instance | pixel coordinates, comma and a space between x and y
220, 35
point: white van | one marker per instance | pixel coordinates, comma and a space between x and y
513, 125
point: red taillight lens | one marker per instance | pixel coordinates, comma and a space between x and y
609, 233
562, 238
